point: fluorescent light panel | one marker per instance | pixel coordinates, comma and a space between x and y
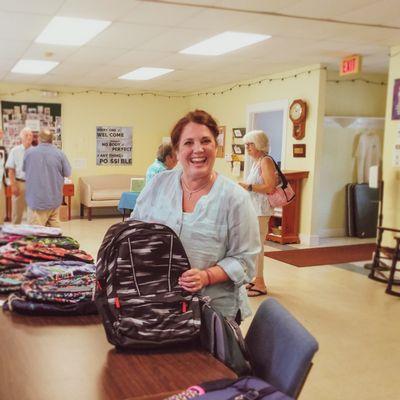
145, 73
35, 67
224, 43
71, 31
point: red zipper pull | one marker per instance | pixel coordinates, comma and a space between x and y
117, 303
184, 306
98, 285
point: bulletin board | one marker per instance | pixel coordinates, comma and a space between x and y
36, 116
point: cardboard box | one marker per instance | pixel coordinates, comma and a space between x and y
64, 213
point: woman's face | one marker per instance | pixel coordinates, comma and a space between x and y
197, 150
251, 150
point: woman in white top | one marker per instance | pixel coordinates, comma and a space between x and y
213, 217
262, 179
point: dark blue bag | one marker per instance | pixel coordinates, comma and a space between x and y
245, 388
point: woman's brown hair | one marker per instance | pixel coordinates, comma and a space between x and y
200, 117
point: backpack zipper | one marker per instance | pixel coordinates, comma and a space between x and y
133, 267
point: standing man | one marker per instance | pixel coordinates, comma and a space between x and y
45, 168
17, 176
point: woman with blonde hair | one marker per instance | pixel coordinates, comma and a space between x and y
261, 180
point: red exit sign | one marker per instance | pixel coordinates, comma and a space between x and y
350, 65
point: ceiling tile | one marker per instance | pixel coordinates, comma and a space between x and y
45, 7
40, 51
125, 35
217, 20
13, 48
92, 54
174, 39
159, 14
258, 5
374, 12
22, 78
108, 10
323, 9
69, 70
138, 58
108, 71
17, 26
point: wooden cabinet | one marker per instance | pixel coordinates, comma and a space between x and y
68, 192
284, 224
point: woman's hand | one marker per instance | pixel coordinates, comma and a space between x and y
244, 185
193, 280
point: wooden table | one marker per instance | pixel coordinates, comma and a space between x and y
64, 358
68, 192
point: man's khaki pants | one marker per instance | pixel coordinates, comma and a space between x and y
44, 217
18, 204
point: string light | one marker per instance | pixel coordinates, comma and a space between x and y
184, 96
357, 80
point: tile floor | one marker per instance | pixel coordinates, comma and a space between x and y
356, 324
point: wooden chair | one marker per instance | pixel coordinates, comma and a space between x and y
384, 264
396, 257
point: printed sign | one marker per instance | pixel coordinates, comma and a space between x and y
113, 145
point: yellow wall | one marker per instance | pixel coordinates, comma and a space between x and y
346, 98
151, 118
391, 174
230, 110
357, 98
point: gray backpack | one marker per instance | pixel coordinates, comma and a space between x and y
137, 292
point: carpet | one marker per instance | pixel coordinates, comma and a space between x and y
324, 255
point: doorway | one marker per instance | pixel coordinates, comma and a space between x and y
271, 118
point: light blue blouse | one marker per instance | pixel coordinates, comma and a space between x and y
222, 229
154, 169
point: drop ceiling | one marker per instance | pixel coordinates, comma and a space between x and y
147, 33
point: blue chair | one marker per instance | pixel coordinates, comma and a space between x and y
280, 348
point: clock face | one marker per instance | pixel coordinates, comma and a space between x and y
296, 111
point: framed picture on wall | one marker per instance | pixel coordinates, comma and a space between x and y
396, 100
221, 142
238, 149
239, 132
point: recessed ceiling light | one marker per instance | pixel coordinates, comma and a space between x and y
35, 67
71, 31
224, 43
145, 73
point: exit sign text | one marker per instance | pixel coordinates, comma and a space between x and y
350, 65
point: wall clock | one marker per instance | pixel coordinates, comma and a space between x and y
298, 114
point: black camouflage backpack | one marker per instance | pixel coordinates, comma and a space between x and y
137, 292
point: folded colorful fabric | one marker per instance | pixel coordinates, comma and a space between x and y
59, 268
29, 230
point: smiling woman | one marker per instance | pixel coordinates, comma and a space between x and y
213, 217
